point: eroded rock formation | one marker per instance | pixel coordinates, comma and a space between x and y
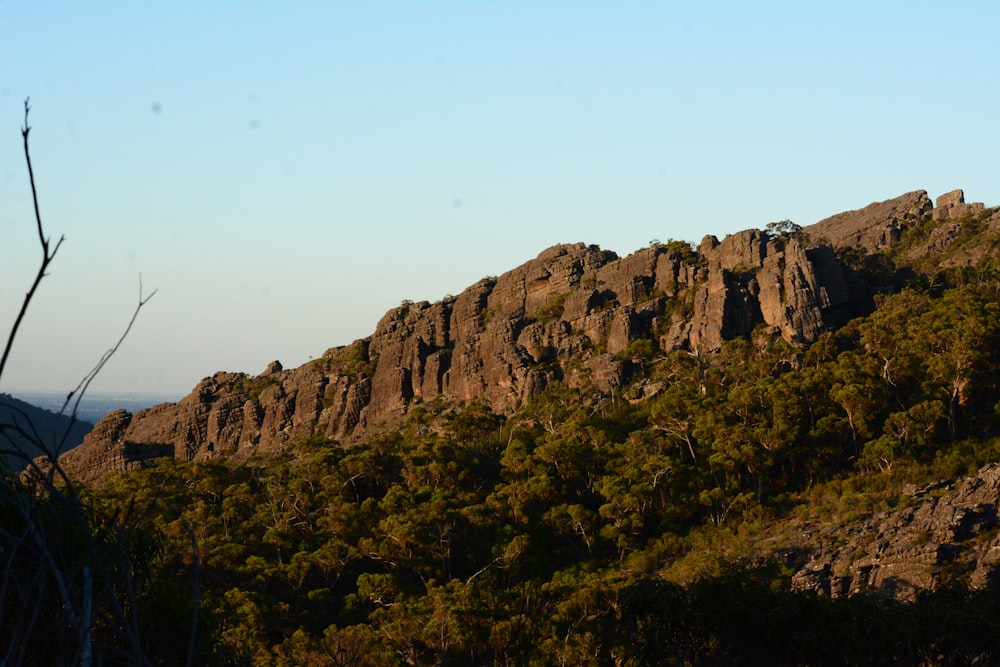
571, 314
874, 227
952, 205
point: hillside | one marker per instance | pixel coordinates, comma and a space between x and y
777, 448
23, 426
576, 314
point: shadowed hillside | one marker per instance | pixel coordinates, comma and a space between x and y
22, 425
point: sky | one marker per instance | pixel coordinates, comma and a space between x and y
283, 173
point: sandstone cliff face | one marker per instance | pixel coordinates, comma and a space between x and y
952, 205
752, 280
947, 531
874, 227
89, 463
570, 314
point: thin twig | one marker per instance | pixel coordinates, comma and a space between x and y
53, 486
81, 388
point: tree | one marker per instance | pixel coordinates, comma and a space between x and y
783, 229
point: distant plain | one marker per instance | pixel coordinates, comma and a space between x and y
95, 406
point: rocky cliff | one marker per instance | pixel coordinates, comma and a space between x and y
574, 313
876, 226
936, 230
937, 533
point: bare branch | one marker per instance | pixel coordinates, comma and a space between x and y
81, 388
47, 256
41, 564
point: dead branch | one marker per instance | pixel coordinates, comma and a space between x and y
78, 580
47, 254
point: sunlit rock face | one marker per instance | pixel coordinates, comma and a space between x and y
575, 313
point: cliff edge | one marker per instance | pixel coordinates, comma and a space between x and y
575, 313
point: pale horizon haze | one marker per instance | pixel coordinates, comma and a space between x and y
284, 173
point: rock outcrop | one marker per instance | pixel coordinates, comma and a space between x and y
942, 532
753, 280
116, 453
952, 205
962, 234
874, 227
573, 314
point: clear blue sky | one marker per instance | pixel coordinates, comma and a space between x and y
284, 173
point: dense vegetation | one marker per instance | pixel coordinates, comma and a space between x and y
643, 526
587, 528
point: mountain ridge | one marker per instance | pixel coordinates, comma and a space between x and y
575, 313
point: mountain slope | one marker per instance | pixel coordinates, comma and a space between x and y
23, 427
661, 490
575, 313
